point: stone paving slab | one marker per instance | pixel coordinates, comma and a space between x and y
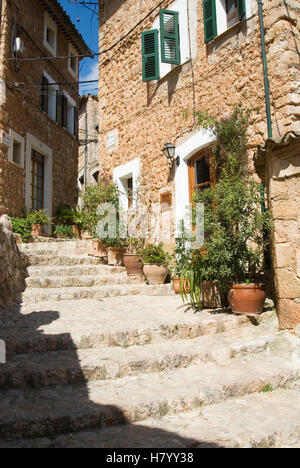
37, 295
76, 270
247, 422
46, 412
88, 281
67, 367
117, 321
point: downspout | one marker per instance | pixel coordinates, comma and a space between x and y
85, 150
265, 67
266, 85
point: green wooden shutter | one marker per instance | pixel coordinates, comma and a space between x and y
64, 111
75, 121
210, 20
45, 92
169, 37
150, 54
59, 107
242, 9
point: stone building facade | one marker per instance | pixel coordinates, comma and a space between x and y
215, 50
38, 106
88, 163
138, 117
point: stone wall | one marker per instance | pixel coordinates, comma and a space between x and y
281, 173
12, 264
88, 115
21, 108
220, 75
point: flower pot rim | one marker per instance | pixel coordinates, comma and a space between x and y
156, 264
131, 254
248, 286
116, 248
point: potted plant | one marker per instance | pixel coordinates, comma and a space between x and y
155, 263
67, 215
63, 231
236, 227
179, 258
132, 259
97, 249
116, 249
38, 219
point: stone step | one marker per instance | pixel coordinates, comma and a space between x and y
76, 270
63, 260
82, 281
68, 367
97, 292
48, 412
263, 420
83, 324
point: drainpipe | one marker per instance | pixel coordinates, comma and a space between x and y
265, 67
266, 85
85, 150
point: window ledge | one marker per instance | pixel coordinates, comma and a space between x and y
174, 70
228, 31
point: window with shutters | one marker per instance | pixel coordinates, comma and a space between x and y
169, 40
48, 97
220, 15
50, 34
73, 61
201, 172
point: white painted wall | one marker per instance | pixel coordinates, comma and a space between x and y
121, 174
221, 14
185, 151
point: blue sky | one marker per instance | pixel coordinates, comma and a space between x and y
88, 27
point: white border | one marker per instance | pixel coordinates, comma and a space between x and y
33, 143
49, 22
131, 169
185, 151
73, 51
16, 137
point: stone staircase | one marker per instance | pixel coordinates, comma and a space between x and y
141, 371
62, 270
138, 370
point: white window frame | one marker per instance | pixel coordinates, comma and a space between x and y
73, 52
51, 96
48, 22
71, 110
121, 176
21, 140
222, 16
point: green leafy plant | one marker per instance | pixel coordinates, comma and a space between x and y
181, 253
235, 226
22, 226
64, 230
39, 217
154, 254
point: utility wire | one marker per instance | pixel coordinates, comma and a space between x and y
98, 53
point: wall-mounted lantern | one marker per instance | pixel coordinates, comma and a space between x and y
169, 151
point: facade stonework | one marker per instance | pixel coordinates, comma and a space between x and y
217, 76
88, 125
12, 264
26, 124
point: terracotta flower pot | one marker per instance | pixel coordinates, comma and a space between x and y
132, 264
97, 249
115, 256
76, 231
37, 230
155, 273
176, 285
247, 299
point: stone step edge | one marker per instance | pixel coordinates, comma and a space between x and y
129, 337
109, 415
19, 376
